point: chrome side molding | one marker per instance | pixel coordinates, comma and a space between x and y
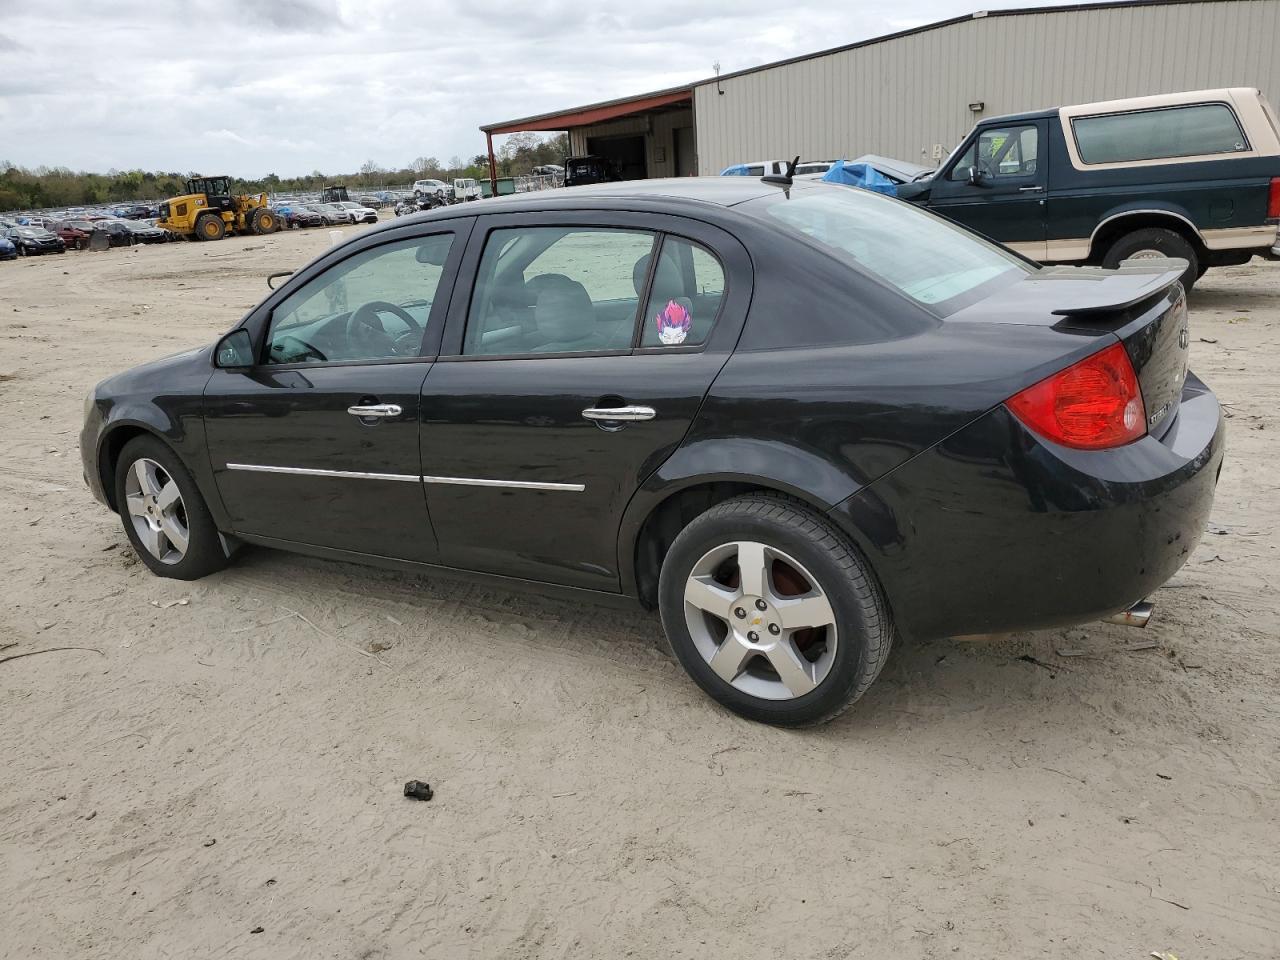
513, 484
411, 478
312, 472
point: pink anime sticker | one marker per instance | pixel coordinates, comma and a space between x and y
673, 324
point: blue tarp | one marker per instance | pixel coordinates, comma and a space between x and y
737, 170
860, 175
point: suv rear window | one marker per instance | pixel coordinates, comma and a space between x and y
1189, 131
935, 263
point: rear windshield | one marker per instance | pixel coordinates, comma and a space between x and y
937, 264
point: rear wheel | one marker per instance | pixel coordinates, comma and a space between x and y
164, 515
772, 612
210, 227
1153, 242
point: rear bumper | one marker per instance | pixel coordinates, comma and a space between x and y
994, 530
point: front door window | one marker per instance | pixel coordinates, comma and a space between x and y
375, 305
1000, 153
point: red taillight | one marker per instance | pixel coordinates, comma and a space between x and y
1273, 200
1091, 405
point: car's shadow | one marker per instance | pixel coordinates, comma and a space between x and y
1227, 300
1019, 676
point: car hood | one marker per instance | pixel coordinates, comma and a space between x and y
159, 374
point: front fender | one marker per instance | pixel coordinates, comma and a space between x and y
164, 399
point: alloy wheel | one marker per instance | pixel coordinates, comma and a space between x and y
155, 506
761, 620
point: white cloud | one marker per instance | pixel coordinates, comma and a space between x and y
290, 86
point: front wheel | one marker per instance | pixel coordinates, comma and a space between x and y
164, 515
210, 227
772, 612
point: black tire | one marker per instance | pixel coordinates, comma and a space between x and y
865, 626
204, 554
1169, 243
263, 221
209, 226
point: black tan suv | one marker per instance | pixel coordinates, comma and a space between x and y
1192, 175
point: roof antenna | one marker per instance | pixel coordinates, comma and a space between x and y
783, 178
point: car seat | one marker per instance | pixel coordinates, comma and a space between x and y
564, 316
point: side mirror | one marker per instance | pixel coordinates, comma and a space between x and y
975, 177
234, 351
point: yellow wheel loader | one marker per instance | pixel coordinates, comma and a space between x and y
208, 211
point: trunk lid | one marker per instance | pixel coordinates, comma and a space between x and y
1142, 303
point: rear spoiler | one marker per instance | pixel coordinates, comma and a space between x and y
1096, 290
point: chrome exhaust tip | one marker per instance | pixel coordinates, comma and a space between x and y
1135, 616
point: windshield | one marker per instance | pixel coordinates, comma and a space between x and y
935, 263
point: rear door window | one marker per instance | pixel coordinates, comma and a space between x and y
684, 300
1193, 130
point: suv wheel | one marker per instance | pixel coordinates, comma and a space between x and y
165, 518
772, 612
1155, 242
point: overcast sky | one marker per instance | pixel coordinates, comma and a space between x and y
250, 87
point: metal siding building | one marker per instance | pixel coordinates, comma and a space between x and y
908, 95
899, 96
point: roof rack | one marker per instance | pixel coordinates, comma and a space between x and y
783, 178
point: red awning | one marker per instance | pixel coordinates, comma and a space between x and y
593, 113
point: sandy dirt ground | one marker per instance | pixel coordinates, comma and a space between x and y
220, 774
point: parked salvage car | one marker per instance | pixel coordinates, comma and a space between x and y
136, 211
33, 241
898, 171
7, 249
333, 215
297, 215
359, 212
117, 231
144, 232
928, 436
438, 188
74, 233
1189, 175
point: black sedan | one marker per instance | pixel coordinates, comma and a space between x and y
33, 241
119, 233
144, 232
800, 420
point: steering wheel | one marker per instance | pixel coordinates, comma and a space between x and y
365, 324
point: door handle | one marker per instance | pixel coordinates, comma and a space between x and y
620, 414
1030, 189
376, 410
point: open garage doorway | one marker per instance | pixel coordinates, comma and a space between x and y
626, 153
